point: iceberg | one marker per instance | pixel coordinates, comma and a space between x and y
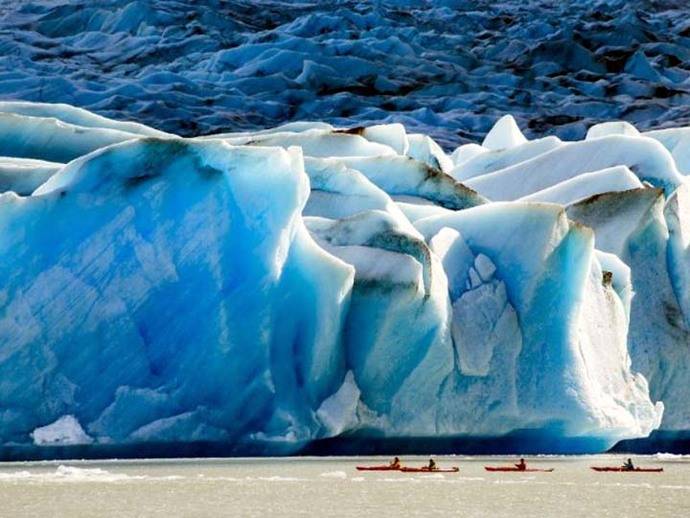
103, 332
66, 431
310, 288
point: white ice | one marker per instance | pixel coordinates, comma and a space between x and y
273, 288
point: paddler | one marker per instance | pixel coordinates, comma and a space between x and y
628, 465
395, 463
432, 465
522, 465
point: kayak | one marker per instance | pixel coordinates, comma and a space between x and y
377, 468
623, 470
513, 468
426, 469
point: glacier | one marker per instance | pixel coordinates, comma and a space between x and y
443, 68
312, 288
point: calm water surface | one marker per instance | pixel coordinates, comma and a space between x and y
332, 487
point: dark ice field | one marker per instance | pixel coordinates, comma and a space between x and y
447, 68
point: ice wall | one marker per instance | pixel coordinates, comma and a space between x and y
266, 291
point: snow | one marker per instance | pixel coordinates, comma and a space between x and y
267, 290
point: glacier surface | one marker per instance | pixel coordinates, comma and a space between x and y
277, 290
444, 68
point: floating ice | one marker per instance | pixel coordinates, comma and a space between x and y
66, 431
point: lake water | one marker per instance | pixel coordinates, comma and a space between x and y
332, 487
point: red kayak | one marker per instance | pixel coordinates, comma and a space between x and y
426, 469
513, 468
624, 470
377, 468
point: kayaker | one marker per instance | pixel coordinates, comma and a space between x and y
395, 463
432, 465
522, 466
628, 465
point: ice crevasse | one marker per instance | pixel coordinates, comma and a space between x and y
271, 290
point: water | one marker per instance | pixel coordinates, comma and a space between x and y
332, 487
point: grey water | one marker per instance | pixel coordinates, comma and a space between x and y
312, 486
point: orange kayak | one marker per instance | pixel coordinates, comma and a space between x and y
513, 468
377, 468
619, 469
426, 469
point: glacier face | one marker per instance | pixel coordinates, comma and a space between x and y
272, 290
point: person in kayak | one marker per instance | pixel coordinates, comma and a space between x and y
395, 463
628, 465
522, 465
432, 465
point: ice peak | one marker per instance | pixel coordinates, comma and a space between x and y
505, 134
